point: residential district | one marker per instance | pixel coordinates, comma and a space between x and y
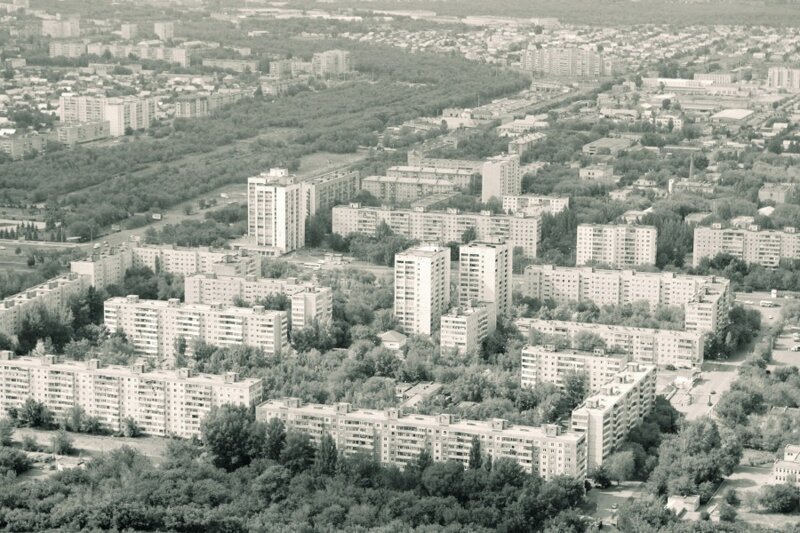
289, 240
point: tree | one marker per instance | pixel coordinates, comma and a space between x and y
13, 462
34, 414
61, 443
275, 439
327, 456
6, 432
780, 498
470, 234
226, 433
475, 457
129, 428
298, 454
727, 513
600, 476
620, 466
40, 323
644, 514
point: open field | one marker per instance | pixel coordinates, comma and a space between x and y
95, 445
608, 500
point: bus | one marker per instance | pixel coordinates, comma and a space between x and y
767, 303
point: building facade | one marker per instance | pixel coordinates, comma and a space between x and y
157, 328
331, 63
160, 402
752, 245
787, 470
616, 245
405, 189
706, 300
329, 189
567, 62
421, 288
501, 177
463, 329
607, 416
309, 303
661, 347
485, 275
398, 440
534, 204
547, 364
276, 211
517, 230
53, 294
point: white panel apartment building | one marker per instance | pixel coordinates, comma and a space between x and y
161, 402
421, 288
310, 303
463, 329
616, 245
331, 63
546, 364
784, 78
398, 440
121, 113
459, 177
485, 275
53, 294
518, 230
535, 205
607, 416
276, 211
109, 267
706, 300
155, 326
329, 189
501, 177
751, 245
681, 349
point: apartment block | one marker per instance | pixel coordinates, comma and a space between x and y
517, 230
616, 245
58, 28
399, 190
74, 108
53, 294
161, 402
706, 299
199, 260
19, 146
331, 63
463, 329
329, 189
276, 211
460, 177
236, 65
128, 31
398, 440
547, 364
532, 204
416, 158
205, 105
778, 193
661, 347
784, 78
521, 145
310, 303
501, 177
607, 145
164, 30
485, 275
129, 112
567, 62
752, 245
72, 134
155, 327
142, 51
421, 288
71, 49
607, 416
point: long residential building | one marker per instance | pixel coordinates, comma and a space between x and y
204, 105
535, 205
460, 177
109, 267
309, 303
398, 440
547, 364
568, 62
160, 402
53, 294
606, 417
784, 78
751, 245
405, 189
159, 53
71, 49
662, 347
329, 189
421, 288
156, 328
706, 300
331, 63
518, 230
122, 113
419, 159
616, 245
